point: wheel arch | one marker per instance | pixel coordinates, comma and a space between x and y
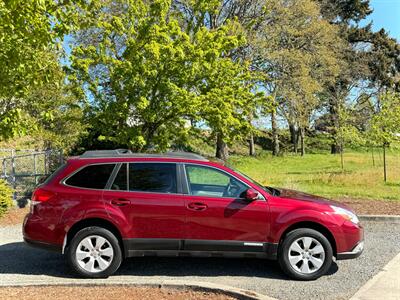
98, 222
315, 226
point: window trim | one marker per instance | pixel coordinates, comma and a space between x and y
178, 177
63, 181
185, 175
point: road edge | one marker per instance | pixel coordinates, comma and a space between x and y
380, 218
364, 291
176, 284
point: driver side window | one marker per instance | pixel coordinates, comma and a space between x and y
210, 182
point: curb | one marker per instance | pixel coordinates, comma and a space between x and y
368, 291
380, 218
175, 284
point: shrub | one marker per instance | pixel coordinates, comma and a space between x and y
5, 197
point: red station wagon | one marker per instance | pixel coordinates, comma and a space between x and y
104, 206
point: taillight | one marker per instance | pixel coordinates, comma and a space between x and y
41, 195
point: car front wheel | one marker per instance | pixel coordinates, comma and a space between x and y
94, 252
305, 254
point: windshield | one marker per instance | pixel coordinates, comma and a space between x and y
265, 188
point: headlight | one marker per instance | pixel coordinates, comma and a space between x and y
345, 213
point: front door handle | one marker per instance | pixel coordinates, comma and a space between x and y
120, 202
197, 206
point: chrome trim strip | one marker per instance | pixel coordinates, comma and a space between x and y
254, 244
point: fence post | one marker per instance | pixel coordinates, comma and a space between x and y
4, 168
35, 169
13, 177
45, 162
61, 161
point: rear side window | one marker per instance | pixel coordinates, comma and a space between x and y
47, 179
152, 177
92, 176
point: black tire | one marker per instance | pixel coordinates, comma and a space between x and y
112, 241
283, 254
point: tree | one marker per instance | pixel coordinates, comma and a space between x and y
347, 132
30, 35
147, 78
370, 61
384, 128
247, 16
296, 50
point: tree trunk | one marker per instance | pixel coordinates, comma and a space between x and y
373, 157
275, 136
252, 149
335, 148
302, 144
384, 162
334, 112
293, 137
222, 148
342, 158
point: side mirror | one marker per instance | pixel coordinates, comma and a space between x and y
251, 195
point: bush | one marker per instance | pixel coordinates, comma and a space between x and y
5, 197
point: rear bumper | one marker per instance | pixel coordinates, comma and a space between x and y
43, 245
354, 253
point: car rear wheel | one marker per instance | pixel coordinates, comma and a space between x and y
94, 252
305, 254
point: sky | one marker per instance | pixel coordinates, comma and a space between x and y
386, 15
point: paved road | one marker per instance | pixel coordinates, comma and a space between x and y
21, 264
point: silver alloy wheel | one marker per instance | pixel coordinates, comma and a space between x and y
94, 253
306, 255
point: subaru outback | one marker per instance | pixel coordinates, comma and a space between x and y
104, 206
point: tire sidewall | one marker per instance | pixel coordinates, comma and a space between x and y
284, 249
79, 236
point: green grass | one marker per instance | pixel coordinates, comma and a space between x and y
321, 174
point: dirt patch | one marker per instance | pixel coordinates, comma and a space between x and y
373, 207
14, 216
106, 292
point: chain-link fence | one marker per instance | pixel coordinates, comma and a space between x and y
24, 169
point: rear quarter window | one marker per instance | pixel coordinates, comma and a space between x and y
91, 176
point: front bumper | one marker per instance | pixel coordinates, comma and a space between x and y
354, 253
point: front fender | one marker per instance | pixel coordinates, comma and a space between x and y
286, 220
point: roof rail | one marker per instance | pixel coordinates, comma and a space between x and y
128, 153
105, 153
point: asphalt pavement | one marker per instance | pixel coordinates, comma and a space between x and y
20, 264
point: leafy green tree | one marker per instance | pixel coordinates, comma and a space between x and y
348, 133
384, 127
31, 33
148, 80
246, 16
296, 50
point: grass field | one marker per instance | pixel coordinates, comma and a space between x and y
321, 174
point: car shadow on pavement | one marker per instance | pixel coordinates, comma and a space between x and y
18, 258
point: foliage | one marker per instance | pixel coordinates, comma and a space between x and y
148, 80
297, 50
30, 36
5, 197
385, 124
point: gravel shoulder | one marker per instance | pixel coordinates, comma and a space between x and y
106, 293
373, 207
20, 264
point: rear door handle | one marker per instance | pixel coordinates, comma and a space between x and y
120, 202
197, 206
